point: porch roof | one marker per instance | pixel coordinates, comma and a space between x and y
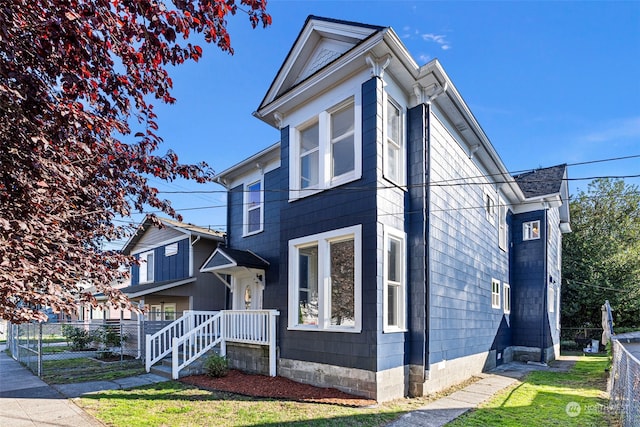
150, 288
228, 261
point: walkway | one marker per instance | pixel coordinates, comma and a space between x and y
446, 409
26, 400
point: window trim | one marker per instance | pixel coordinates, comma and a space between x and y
245, 206
529, 236
402, 150
144, 256
324, 241
495, 293
171, 249
489, 203
325, 146
503, 233
506, 298
392, 233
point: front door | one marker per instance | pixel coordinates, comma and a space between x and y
247, 293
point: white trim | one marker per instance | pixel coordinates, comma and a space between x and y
528, 228
503, 231
162, 243
171, 249
245, 206
323, 241
495, 296
319, 112
402, 144
390, 232
155, 289
506, 297
489, 203
143, 259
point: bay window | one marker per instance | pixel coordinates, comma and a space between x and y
325, 281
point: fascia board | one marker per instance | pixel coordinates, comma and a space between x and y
269, 156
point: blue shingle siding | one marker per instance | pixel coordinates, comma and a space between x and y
464, 253
329, 210
528, 282
165, 268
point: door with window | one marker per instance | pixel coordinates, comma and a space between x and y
247, 292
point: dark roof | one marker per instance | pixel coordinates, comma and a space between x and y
541, 182
149, 288
223, 258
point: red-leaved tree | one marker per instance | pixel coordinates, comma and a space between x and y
77, 79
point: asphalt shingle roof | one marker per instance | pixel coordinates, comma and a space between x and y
542, 181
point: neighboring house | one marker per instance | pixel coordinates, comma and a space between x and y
168, 280
384, 227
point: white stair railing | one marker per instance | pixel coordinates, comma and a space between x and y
241, 326
159, 345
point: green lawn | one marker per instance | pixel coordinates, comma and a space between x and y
575, 398
539, 401
86, 369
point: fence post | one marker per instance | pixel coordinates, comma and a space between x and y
39, 349
121, 342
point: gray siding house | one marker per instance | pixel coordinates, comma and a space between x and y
384, 227
168, 280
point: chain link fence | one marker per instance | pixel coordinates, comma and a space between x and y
625, 384
52, 348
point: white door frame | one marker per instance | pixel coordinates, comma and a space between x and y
247, 285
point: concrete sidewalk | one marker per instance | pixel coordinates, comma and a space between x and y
26, 400
446, 409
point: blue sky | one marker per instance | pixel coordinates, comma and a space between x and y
549, 82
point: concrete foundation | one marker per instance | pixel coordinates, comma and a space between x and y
248, 358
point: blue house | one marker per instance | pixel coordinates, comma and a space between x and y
383, 226
168, 280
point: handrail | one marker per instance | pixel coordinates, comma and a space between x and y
158, 345
195, 343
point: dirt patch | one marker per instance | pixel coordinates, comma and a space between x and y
276, 388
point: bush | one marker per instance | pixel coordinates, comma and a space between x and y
79, 338
216, 366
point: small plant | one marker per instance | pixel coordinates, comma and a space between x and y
79, 338
216, 366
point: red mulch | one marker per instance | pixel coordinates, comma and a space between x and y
276, 388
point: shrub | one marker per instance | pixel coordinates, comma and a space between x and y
216, 366
79, 338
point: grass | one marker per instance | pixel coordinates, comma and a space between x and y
550, 398
540, 400
86, 369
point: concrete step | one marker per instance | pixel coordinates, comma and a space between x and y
164, 367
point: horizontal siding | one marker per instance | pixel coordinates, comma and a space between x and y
464, 253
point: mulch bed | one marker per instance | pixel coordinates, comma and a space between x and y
276, 388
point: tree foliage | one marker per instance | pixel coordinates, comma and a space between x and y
601, 257
79, 137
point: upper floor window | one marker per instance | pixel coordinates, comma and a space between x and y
395, 281
394, 144
146, 267
531, 230
253, 212
325, 281
489, 208
324, 151
502, 228
507, 298
171, 249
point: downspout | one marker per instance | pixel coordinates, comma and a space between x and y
545, 290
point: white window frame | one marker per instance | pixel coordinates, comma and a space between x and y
171, 249
324, 240
401, 308
489, 203
165, 311
400, 145
325, 146
247, 208
495, 293
506, 298
146, 267
502, 225
551, 300
527, 230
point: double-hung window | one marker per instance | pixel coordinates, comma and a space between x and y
395, 280
253, 208
495, 293
146, 267
506, 298
489, 208
394, 169
531, 230
325, 152
325, 281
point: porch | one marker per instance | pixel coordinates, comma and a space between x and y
195, 334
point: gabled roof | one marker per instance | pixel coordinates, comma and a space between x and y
187, 229
542, 182
320, 42
226, 261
